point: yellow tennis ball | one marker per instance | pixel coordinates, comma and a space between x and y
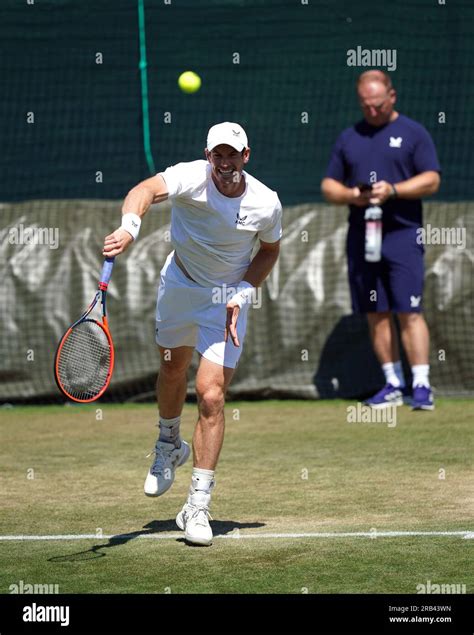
189, 82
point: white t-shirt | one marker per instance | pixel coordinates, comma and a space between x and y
213, 234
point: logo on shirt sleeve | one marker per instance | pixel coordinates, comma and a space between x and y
395, 142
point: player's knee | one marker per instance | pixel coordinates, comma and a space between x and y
210, 400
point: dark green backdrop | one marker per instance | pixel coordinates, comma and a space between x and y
292, 60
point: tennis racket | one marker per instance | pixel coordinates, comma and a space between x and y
84, 358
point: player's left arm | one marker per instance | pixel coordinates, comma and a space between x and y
263, 263
419, 186
258, 270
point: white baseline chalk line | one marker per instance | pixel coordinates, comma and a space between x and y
238, 535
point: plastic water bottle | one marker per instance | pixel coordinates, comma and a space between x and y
373, 233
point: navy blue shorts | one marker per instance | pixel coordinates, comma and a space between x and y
397, 279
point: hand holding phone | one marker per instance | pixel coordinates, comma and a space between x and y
361, 194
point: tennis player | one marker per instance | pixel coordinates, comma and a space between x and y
220, 214
397, 157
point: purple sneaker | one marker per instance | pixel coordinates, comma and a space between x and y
422, 398
388, 396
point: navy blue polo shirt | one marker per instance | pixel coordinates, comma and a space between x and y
394, 152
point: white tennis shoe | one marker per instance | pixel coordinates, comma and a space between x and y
194, 519
167, 458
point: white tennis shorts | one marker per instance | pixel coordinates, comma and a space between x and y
188, 314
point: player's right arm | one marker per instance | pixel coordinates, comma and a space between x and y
137, 201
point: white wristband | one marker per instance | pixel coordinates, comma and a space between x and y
131, 223
244, 295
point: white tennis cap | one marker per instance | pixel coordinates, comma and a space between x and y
229, 133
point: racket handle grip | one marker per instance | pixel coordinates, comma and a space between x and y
107, 271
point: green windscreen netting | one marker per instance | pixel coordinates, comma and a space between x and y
72, 126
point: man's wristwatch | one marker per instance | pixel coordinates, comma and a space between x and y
393, 193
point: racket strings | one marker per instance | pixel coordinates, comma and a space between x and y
84, 360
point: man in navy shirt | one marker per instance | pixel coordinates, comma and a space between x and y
397, 158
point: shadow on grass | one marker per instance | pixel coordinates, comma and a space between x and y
219, 528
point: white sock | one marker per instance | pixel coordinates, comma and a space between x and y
399, 373
421, 374
169, 430
202, 480
390, 374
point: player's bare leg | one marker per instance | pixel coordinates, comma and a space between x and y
171, 384
416, 341
170, 450
212, 382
